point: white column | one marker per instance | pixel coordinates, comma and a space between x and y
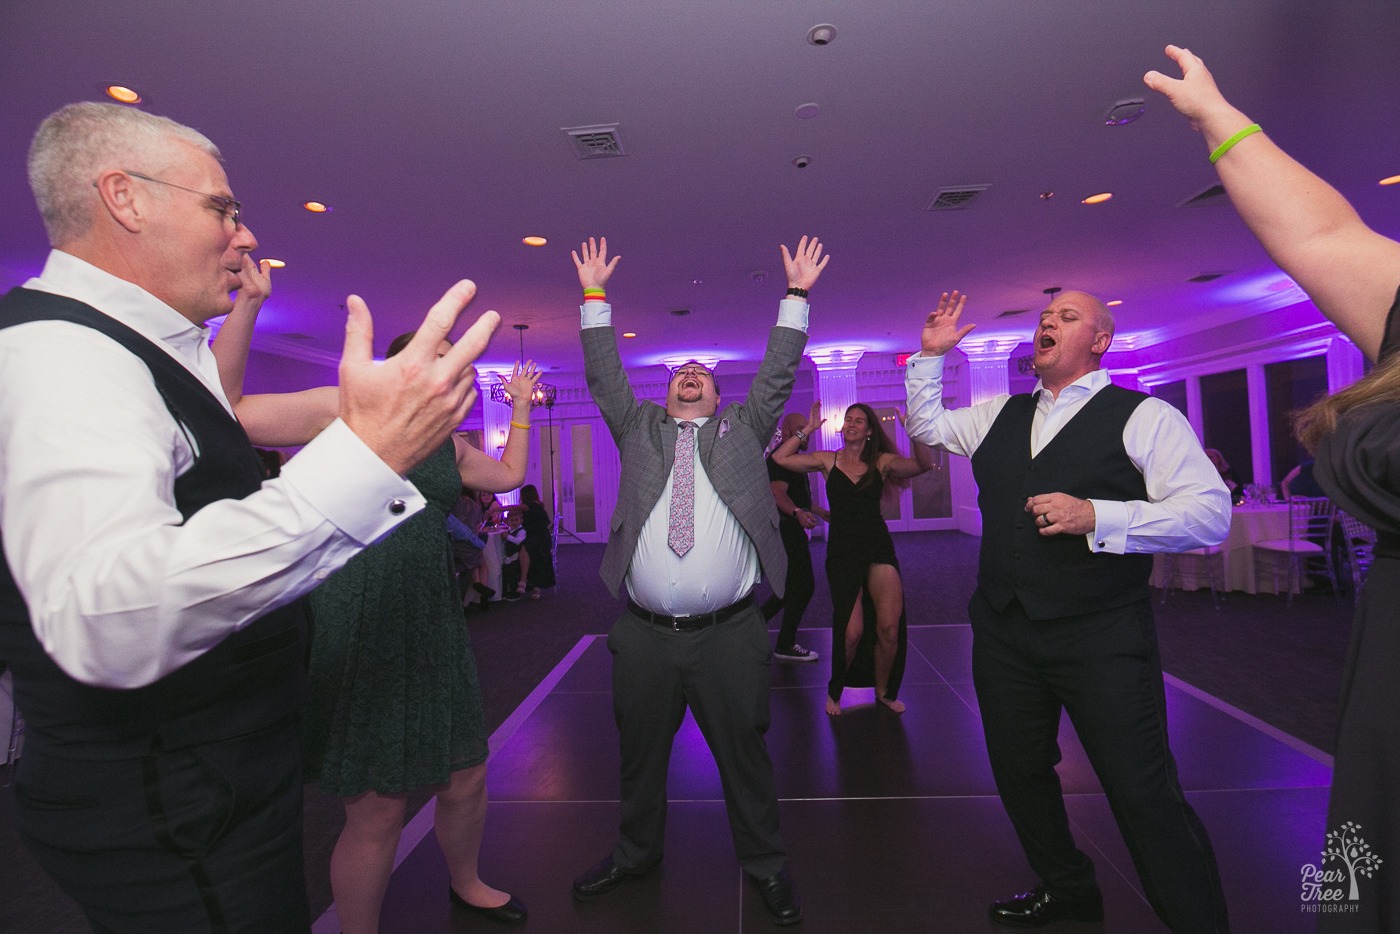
836, 390
1345, 363
986, 376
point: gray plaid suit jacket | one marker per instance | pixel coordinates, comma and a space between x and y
646, 443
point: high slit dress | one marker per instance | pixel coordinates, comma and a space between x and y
858, 539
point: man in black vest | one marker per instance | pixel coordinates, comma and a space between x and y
1078, 483
148, 592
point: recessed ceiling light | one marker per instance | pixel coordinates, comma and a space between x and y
1393, 180
122, 94
1046, 195
807, 111
1125, 112
1115, 303
275, 263
821, 34
629, 333
316, 207
1099, 198
534, 241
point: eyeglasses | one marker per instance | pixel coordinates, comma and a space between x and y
692, 371
228, 207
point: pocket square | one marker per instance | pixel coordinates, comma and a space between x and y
723, 428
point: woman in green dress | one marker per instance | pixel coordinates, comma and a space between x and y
395, 705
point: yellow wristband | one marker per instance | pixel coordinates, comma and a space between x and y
515, 424
1230, 143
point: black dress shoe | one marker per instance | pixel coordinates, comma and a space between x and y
603, 878
512, 912
1040, 907
778, 898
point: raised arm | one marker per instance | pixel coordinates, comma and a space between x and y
772, 385
602, 364
1307, 227
483, 472
787, 455
905, 468
275, 419
235, 337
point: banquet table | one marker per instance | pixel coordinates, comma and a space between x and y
1248, 524
494, 554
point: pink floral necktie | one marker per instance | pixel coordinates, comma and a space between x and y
682, 532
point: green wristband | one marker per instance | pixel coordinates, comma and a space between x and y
1230, 143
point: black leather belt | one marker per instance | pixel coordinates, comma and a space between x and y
689, 623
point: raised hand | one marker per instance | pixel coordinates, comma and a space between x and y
521, 382
804, 265
593, 266
942, 331
404, 409
1194, 94
814, 420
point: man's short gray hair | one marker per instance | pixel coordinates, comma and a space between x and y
78, 143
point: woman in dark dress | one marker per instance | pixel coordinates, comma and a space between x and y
1351, 273
538, 571
861, 568
394, 702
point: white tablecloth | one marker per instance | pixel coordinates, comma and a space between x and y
1248, 524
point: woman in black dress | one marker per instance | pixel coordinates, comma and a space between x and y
1351, 273
861, 568
538, 570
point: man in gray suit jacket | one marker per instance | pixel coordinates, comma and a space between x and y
693, 527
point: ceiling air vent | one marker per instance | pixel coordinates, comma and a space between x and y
1215, 194
1013, 312
956, 199
595, 142
1207, 277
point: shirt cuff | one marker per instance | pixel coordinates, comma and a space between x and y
595, 315
792, 313
1110, 527
348, 484
921, 367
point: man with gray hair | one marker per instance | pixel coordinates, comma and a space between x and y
149, 593
1078, 482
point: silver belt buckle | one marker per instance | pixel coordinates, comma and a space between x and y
676, 622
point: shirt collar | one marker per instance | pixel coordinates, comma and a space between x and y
64, 274
1088, 384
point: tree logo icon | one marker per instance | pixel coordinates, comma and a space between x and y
1326, 885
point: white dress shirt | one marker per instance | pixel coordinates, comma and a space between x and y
1187, 506
121, 590
722, 566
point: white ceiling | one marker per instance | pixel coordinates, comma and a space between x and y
433, 127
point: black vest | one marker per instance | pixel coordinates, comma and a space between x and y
1056, 575
252, 679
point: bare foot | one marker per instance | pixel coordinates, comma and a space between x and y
832, 708
896, 705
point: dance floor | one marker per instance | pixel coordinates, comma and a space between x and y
892, 823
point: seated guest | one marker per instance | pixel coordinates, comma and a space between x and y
1227, 475
1299, 482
